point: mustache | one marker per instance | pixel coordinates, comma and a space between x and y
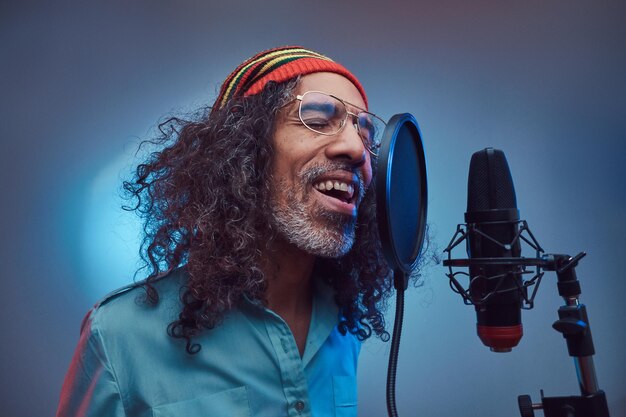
315, 171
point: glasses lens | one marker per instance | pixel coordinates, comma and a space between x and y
322, 113
371, 129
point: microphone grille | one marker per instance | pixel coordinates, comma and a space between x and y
489, 185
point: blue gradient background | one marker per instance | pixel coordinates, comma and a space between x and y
542, 80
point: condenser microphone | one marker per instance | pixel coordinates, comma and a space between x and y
493, 218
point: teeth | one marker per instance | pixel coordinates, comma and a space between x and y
337, 185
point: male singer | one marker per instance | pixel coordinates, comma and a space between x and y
265, 265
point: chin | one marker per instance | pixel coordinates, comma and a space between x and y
325, 242
323, 238
332, 251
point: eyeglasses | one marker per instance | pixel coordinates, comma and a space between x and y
326, 114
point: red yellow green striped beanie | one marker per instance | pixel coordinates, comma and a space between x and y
279, 64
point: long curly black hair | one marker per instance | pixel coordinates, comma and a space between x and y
204, 198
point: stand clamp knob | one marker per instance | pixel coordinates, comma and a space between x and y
570, 326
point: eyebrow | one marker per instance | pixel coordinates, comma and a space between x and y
323, 106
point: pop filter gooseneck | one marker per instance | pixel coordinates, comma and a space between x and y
401, 206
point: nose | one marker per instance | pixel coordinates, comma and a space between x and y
348, 145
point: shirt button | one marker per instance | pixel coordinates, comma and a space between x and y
285, 345
299, 406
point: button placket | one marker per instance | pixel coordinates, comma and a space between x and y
290, 364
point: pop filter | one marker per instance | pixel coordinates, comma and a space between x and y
401, 195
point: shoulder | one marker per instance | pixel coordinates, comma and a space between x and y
126, 310
124, 344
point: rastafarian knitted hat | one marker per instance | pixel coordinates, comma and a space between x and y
279, 65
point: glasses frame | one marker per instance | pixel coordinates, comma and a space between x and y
355, 117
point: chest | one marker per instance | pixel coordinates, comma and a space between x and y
246, 367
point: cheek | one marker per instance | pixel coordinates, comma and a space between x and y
280, 172
285, 168
281, 158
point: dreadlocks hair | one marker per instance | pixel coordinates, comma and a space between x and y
204, 200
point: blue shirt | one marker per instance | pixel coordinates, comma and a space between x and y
127, 365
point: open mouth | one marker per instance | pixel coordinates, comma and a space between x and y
339, 190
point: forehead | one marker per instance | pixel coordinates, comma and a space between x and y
331, 83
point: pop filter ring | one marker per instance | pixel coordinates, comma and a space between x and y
383, 183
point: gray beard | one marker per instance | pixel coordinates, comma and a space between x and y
323, 233
294, 224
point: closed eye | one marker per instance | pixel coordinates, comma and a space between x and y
317, 124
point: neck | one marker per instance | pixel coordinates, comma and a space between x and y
289, 294
288, 271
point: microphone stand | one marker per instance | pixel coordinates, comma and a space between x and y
573, 324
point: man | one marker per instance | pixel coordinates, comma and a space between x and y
266, 269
